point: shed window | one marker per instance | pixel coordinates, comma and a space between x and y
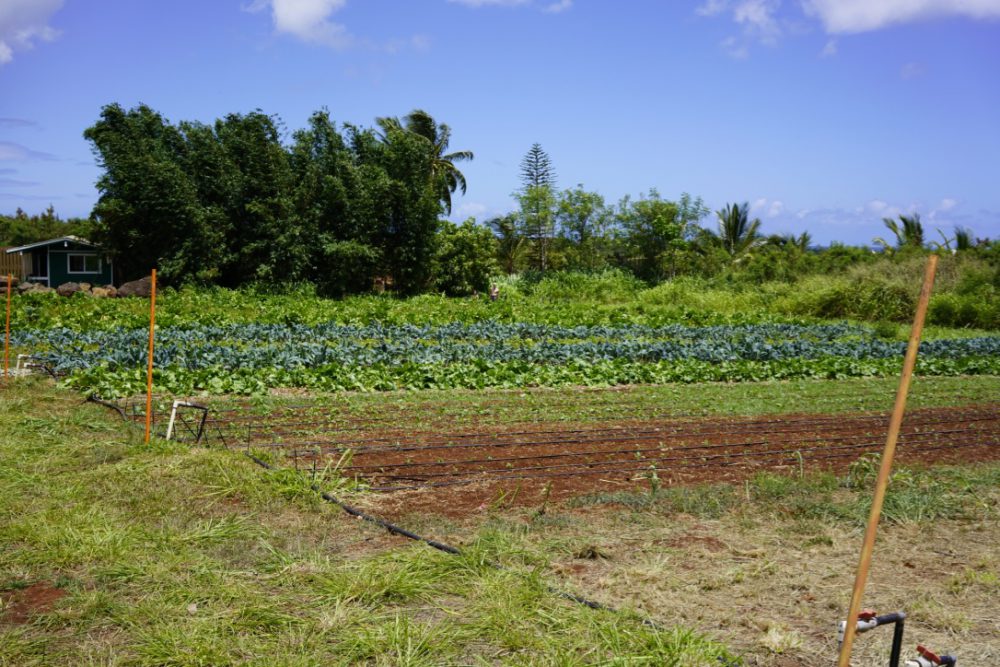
84, 263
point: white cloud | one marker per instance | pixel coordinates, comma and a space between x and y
947, 204
830, 49
11, 152
770, 208
712, 7
852, 16
470, 209
735, 48
490, 3
23, 23
551, 7
308, 20
758, 18
558, 7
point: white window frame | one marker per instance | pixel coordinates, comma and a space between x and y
69, 263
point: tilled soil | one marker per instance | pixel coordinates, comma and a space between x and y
454, 471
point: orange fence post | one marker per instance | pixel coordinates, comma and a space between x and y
886, 468
6, 337
149, 361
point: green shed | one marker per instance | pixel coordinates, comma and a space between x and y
64, 260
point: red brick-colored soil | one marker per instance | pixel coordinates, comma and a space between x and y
457, 470
20, 605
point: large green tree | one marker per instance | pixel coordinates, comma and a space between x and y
585, 222
654, 231
445, 176
537, 202
464, 258
148, 214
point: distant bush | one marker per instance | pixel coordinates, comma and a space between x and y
610, 286
464, 259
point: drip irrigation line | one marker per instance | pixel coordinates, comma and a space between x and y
643, 450
340, 446
498, 406
728, 455
120, 410
745, 424
598, 471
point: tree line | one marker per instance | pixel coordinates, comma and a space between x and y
230, 203
348, 208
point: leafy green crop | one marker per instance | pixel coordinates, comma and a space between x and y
253, 357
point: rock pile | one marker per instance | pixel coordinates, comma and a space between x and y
140, 288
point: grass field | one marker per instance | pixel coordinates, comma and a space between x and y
112, 552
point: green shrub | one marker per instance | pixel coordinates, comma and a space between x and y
611, 286
464, 259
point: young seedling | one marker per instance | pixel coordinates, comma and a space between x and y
654, 480
546, 491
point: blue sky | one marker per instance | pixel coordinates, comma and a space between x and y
826, 115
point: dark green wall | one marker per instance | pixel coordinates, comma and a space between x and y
59, 267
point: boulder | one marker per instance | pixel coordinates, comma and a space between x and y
68, 289
28, 287
40, 289
85, 287
142, 287
99, 292
111, 290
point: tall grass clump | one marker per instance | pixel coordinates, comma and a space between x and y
610, 286
965, 292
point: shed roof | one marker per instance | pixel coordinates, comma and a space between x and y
62, 239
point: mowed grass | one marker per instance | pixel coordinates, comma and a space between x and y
168, 555
165, 555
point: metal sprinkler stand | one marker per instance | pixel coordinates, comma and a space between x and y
869, 620
174, 419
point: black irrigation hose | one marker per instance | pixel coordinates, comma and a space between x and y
598, 471
441, 546
339, 446
355, 512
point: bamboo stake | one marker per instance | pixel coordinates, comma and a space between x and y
149, 362
864, 564
6, 337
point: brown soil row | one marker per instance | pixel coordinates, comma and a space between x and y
462, 470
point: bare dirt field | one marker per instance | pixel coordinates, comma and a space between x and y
456, 470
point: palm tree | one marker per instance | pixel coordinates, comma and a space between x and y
909, 234
444, 174
737, 232
510, 241
963, 238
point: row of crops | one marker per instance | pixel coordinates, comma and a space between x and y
250, 358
